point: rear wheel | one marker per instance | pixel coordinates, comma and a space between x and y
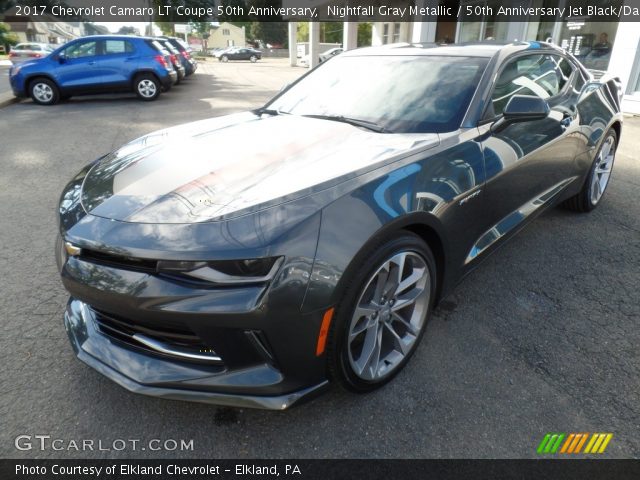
253, 59
147, 87
381, 318
598, 179
44, 91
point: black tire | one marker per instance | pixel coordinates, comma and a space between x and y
147, 87
339, 358
253, 59
44, 91
584, 200
224, 59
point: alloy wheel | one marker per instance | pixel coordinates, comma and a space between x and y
602, 172
42, 92
147, 88
389, 316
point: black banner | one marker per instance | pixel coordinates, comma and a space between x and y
184, 11
542, 469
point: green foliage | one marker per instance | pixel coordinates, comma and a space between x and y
269, 32
128, 30
332, 32
7, 37
166, 28
364, 34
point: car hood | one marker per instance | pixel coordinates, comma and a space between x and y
228, 166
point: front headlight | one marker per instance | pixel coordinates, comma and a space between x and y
255, 270
14, 70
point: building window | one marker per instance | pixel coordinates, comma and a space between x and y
225, 31
385, 34
589, 42
396, 32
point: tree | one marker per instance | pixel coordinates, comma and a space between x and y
201, 29
274, 33
128, 30
7, 37
364, 34
167, 28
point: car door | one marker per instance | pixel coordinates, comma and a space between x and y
77, 70
117, 62
528, 163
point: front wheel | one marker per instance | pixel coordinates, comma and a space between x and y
224, 58
44, 91
253, 59
147, 87
382, 315
598, 179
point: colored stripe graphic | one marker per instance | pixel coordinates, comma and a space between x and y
573, 443
598, 443
550, 443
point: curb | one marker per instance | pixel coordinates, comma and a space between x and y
7, 99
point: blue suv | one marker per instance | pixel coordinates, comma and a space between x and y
96, 64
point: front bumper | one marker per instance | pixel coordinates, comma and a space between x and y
16, 82
159, 377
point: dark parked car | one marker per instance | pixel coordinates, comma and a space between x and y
258, 271
238, 53
188, 62
175, 56
96, 64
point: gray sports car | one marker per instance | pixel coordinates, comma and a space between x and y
251, 259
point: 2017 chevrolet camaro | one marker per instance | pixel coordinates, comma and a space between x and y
250, 259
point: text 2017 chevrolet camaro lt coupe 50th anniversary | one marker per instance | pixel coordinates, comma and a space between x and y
249, 260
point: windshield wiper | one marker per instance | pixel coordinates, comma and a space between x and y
352, 121
269, 111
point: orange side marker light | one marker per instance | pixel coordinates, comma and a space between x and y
324, 331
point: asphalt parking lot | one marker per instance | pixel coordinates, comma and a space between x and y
543, 337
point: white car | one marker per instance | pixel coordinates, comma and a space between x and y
28, 51
332, 52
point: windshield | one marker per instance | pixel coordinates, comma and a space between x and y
401, 94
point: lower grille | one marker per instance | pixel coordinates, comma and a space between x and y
172, 340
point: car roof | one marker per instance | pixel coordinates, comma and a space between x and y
476, 49
115, 37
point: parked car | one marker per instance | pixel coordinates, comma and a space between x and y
316, 251
176, 61
188, 62
23, 52
240, 53
332, 52
96, 64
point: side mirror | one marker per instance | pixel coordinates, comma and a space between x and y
522, 108
62, 58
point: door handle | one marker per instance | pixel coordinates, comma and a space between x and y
91, 63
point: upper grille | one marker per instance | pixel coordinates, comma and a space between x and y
118, 261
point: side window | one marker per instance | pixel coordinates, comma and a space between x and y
112, 47
81, 49
539, 75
